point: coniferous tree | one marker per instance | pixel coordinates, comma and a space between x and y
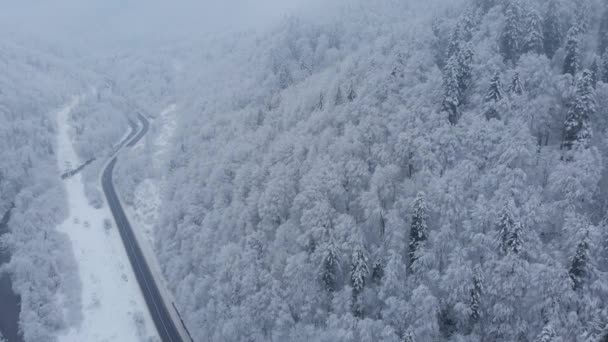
339, 97
493, 96
604, 67
546, 335
515, 87
571, 61
476, 291
378, 270
505, 226
603, 32
407, 336
533, 37
330, 268
451, 100
552, 30
352, 94
456, 79
577, 129
511, 34
418, 229
595, 72
515, 242
494, 93
578, 268
358, 276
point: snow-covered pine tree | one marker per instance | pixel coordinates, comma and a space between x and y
578, 267
604, 67
359, 272
495, 92
511, 35
595, 72
418, 229
339, 99
330, 268
552, 29
451, 100
577, 128
505, 226
476, 292
456, 79
407, 336
378, 270
603, 31
515, 87
533, 33
546, 335
352, 94
572, 58
516, 242
493, 96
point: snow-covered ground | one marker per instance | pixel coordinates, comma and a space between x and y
112, 304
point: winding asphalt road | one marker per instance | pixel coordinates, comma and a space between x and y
161, 316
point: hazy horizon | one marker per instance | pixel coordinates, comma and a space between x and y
72, 22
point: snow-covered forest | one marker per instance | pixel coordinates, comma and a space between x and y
387, 170
32, 84
395, 171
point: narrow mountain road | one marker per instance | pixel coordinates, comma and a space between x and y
167, 328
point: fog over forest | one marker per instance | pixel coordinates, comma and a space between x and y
304, 170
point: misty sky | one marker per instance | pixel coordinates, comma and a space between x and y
127, 20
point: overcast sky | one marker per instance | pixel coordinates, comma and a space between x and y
125, 20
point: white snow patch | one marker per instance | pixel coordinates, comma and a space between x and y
112, 304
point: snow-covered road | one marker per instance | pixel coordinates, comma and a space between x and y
113, 308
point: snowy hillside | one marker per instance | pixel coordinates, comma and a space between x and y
33, 84
394, 171
386, 170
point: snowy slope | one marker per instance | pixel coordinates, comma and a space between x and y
113, 307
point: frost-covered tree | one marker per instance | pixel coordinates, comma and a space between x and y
577, 129
511, 34
339, 99
572, 58
604, 67
456, 79
418, 228
515, 87
533, 34
603, 32
407, 336
378, 270
330, 269
506, 227
579, 264
552, 29
595, 72
352, 94
359, 272
495, 92
476, 293
493, 96
546, 335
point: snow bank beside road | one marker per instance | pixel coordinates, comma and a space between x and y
113, 307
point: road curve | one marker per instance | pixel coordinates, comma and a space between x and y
161, 316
